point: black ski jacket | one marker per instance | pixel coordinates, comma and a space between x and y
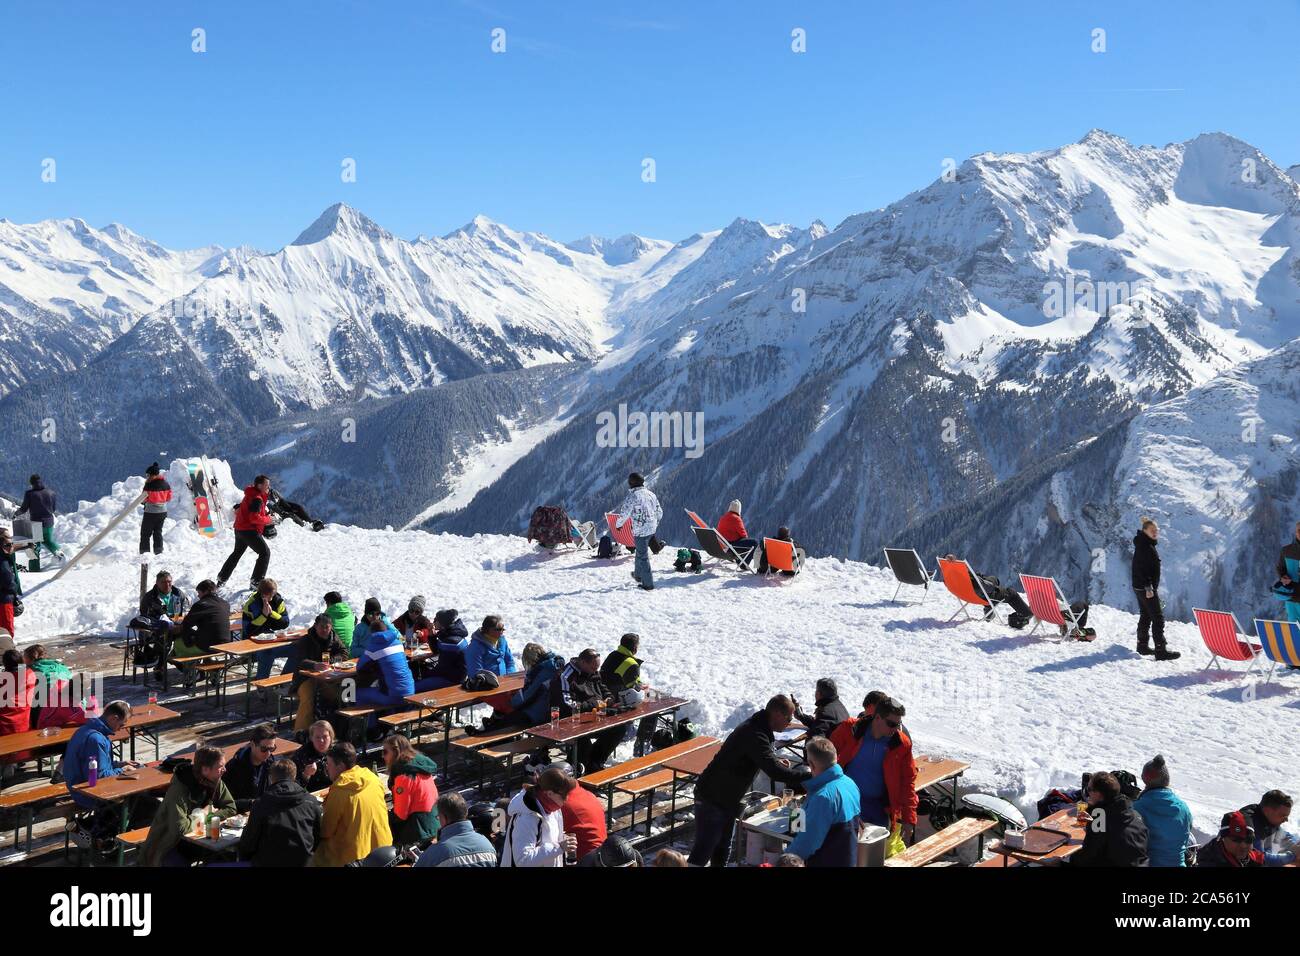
283, 827
1146, 563
207, 623
748, 749
1118, 838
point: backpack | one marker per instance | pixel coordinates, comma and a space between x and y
606, 547
483, 680
1017, 620
549, 526
666, 738
1128, 784
1055, 800
655, 544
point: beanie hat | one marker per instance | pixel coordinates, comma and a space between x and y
418, 602
635, 480
1155, 773
1235, 825
446, 618
734, 506
152, 469
373, 606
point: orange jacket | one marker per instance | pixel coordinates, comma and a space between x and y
899, 769
731, 527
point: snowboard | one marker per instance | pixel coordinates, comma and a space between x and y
216, 506
202, 508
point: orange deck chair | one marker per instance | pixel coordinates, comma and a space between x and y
962, 584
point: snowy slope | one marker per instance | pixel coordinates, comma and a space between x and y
1028, 714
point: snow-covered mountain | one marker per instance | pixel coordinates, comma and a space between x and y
67, 290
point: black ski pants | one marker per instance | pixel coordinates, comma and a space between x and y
247, 541
1151, 619
151, 528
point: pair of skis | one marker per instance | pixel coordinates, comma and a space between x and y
207, 499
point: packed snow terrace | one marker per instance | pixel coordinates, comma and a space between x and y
583, 736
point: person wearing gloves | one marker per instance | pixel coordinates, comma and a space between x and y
641, 508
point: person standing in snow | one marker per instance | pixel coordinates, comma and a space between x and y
10, 588
251, 521
1288, 570
1169, 822
156, 495
1146, 581
641, 507
39, 505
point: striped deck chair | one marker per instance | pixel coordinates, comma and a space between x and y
1048, 604
1281, 643
1222, 638
621, 535
962, 584
714, 544
908, 569
781, 556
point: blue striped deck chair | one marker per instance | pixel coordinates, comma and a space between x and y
1281, 640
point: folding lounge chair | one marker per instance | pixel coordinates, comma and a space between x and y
1281, 644
1223, 639
962, 584
1048, 604
781, 556
714, 544
584, 540
908, 569
621, 535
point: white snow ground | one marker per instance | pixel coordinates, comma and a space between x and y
1027, 713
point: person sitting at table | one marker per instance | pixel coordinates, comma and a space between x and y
246, 772
748, 750
206, 623
384, 676
579, 690
1233, 847
411, 781
265, 613
489, 650
1266, 817
829, 833
17, 688
94, 741
284, 825
52, 701
534, 833
828, 710
319, 646
1115, 834
531, 704
412, 620
584, 815
342, 617
162, 608
195, 784
361, 631
449, 641
1168, 819
875, 750
309, 758
355, 819
621, 672
459, 844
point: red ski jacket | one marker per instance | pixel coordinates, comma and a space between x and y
731, 527
899, 768
251, 515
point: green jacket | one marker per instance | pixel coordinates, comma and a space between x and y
344, 620
172, 820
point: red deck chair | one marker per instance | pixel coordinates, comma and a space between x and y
781, 556
1222, 638
622, 535
1048, 604
962, 584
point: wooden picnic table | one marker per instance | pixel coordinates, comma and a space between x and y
936, 771
448, 698
244, 650
149, 779
56, 738
569, 731
1064, 820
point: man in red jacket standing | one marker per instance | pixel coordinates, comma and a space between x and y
251, 519
876, 752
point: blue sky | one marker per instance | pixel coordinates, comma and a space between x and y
243, 143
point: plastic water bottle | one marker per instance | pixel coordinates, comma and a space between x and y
93, 777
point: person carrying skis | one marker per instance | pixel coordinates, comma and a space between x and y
1146, 579
251, 521
39, 505
156, 495
641, 507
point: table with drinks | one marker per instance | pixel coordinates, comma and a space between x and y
244, 652
1068, 822
143, 719
569, 731
445, 699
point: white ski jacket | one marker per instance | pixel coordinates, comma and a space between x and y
641, 507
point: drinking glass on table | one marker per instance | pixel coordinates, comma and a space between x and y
153, 702
555, 716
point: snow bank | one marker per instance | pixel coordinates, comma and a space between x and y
1027, 713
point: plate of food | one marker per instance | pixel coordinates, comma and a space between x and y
266, 638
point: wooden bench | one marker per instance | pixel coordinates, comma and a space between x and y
640, 775
25, 803
270, 684
354, 714
402, 720
943, 842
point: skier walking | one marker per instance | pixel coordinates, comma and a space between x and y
39, 505
641, 507
156, 495
1146, 580
251, 521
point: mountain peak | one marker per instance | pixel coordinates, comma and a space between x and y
627, 248
340, 219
